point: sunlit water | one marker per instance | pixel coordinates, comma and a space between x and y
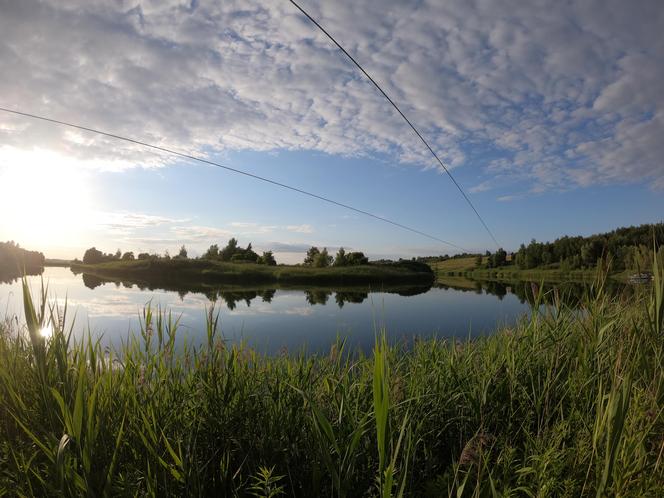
276, 320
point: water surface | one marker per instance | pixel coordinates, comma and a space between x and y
278, 319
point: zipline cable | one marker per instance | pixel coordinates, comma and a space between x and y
228, 168
396, 107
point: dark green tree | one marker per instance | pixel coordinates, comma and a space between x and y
356, 258
93, 256
267, 259
227, 252
340, 259
212, 252
499, 258
311, 256
323, 259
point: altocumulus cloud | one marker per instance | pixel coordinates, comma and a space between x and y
553, 95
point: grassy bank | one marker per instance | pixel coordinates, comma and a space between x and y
466, 267
183, 271
563, 404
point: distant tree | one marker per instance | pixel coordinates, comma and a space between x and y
267, 259
183, 252
212, 252
340, 259
92, 256
311, 256
118, 254
128, 256
14, 260
478, 261
227, 252
520, 258
143, 256
249, 254
167, 255
356, 258
499, 258
323, 259
533, 254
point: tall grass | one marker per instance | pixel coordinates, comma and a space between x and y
566, 403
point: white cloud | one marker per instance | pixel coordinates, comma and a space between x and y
196, 233
481, 187
563, 94
299, 228
124, 222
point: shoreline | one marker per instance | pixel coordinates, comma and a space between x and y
201, 272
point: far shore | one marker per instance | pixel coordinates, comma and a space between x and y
201, 271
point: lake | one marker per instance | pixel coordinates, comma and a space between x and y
282, 319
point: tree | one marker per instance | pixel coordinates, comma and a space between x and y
311, 256
323, 259
249, 254
212, 252
356, 258
500, 258
227, 252
143, 256
118, 254
183, 252
128, 256
340, 259
92, 256
267, 259
478, 261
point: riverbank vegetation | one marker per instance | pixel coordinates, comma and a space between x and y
176, 271
622, 251
234, 264
565, 403
15, 261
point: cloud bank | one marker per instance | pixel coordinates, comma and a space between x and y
547, 95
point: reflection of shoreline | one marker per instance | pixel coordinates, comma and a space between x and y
569, 293
231, 294
8, 276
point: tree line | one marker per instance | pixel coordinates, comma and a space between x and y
320, 258
14, 260
234, 253
628, 248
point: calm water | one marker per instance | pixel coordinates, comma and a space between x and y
273, 319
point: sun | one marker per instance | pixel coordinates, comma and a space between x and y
44, 201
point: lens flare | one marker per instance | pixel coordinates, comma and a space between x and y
46, 331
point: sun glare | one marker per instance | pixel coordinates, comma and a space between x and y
46, 331
44, 200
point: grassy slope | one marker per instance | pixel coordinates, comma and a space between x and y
466, 267
565, 404
183, 271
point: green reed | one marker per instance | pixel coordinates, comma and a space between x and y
567, 402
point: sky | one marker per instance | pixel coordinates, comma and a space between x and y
550, 115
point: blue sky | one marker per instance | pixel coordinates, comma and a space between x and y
550, 116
